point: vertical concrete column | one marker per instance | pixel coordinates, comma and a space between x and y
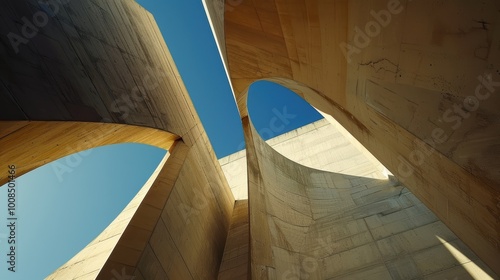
235, 262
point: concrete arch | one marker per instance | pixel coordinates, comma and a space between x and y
378, 93
313, 224
95, 61
31, 144
101, 59
125, 243
120, 246
340, 143
310, 224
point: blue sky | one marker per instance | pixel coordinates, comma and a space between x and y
275, 109
186, 30
188, 35
58, 218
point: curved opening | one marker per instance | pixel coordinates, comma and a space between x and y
306, 135
31, 144
332, 218
63, 205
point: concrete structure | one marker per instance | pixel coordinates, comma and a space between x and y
342, 221
99, 72
406, 88
414, 81
323, 145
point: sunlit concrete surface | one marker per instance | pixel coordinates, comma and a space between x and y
328, 146
414, 82
234, 167
420, 95
321, 145
355, 222
314, 224
35, 143
363, 223
235, 262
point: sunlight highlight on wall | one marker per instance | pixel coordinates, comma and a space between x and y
470, 266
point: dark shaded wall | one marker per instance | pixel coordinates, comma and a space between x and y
88, 61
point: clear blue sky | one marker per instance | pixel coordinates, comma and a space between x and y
274, 109
57, 219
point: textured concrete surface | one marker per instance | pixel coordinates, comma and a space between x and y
188, 239
235, 262
399, 93
323, 145
35, 143
419, 91
101, 69
307, 223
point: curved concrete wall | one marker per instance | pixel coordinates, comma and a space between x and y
34, 143
323, 145
312, 224
94, 61
88, 62
419, 91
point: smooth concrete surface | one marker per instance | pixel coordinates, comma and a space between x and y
215, 13
101, 69
235, 262
415, 82
96, 61
323, 145
307, 223
234, 167
386, 215
188, 239
35, 143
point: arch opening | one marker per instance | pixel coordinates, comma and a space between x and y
31, 144
77, 202
322, 216
304, 134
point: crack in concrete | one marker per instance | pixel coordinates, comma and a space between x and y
372, 64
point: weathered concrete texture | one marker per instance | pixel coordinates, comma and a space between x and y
106, 61
405, 85
311, 224
235, 262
